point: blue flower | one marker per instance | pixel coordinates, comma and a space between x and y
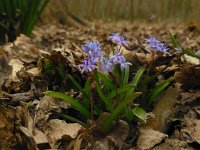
124, 64
106, 65
117, 58
118, 39
122, 41
157, 45
87, 66
92, 49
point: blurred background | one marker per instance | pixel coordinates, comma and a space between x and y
21, 16
114, 10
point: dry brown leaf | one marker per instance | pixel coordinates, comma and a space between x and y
41, 139
189, 77
193, 130
11, 118
5, 68
148, 138
17, 65
173, 144
58, 130
189, 59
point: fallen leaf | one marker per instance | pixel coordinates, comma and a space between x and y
193, 130
148, 138
189, 59
58, 129
189, 77
5, 68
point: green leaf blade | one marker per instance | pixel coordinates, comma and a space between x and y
70, 100
118, 109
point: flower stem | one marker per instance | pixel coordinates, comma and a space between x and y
91, 102
116, 85
151, 63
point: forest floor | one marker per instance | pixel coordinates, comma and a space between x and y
30, 120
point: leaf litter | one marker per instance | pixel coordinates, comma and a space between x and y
30, 66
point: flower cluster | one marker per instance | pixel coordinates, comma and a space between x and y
118, 39
93, 50
117, 58
88, 65
95, 56
157, 45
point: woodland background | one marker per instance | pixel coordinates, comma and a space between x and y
109, 10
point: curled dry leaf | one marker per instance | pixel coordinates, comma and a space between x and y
192, 131
58, 130
5, 68
11, 118
45, 107
173, 144
189, 59
17, 65
23, 49
148, 138
189, 77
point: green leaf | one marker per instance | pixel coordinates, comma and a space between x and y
27, 13
48, 65
114, 114
76, 84
86, 93
138, 76
157, 89
61, 70
174, 41
70, 100
107, 82
4, 26
126, 76
140, 113
120, 91
87, 86
100, 92
74, 120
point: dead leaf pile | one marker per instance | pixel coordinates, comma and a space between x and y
30, 66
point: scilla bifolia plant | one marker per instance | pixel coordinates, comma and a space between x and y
19, 16
149, 95
108, 77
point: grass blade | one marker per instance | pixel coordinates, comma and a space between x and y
174, 41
